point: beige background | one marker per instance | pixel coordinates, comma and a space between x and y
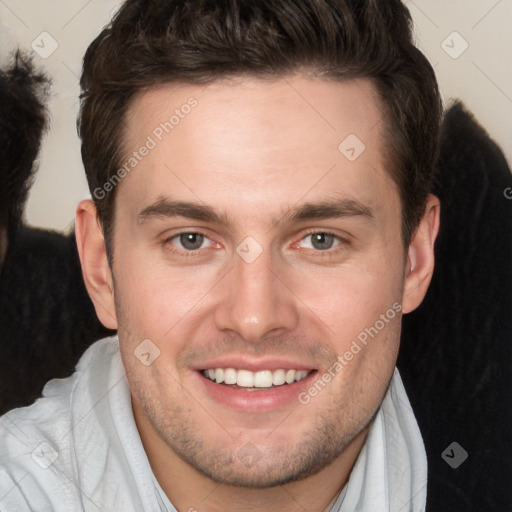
481, 76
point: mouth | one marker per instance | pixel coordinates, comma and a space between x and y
247, 380
261, 390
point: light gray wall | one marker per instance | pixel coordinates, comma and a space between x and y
481, 76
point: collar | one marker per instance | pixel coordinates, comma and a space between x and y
390, 472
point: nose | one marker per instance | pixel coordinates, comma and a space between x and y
254, 299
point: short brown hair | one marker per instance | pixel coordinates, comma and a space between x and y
151, 42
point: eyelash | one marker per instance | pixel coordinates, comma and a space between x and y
327, 253
343, 243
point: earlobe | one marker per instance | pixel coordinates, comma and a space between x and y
420, 259
93, 258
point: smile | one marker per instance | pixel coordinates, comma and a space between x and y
263, 379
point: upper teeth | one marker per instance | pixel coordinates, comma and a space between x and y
248, 379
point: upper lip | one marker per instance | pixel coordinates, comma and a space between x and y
251, 364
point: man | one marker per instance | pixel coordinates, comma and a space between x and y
261, 219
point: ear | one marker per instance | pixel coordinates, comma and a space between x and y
95, 267
420, 256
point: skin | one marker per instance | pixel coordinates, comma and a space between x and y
251, 150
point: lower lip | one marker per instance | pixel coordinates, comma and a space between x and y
257, 400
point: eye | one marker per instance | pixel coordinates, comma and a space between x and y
322, 241
189, 241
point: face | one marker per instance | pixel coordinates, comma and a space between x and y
257, 240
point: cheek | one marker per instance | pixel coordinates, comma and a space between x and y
154, 298
352, 298
367, 366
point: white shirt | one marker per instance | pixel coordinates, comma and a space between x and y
78, 449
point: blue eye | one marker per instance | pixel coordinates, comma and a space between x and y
322, 241
188, 241
191, 241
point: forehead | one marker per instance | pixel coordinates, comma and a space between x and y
251, 141
310, 106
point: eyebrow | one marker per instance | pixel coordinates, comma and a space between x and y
328, 209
